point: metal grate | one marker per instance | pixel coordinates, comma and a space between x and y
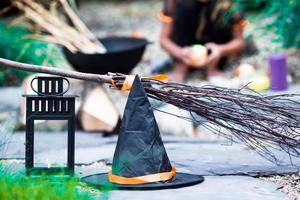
52, 105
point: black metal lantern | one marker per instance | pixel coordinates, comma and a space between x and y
50, 103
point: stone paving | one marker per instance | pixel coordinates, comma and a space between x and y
213, 188
194, 155
229, 169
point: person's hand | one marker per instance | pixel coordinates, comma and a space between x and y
191, 59
215, 54
187, 56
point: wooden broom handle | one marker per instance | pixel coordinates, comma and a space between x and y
54, 71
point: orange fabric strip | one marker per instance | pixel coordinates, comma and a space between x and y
130, 78
142, 179
128, 83
114, 84
160, 77
241, 25
164, 18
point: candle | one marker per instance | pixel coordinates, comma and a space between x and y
278, 71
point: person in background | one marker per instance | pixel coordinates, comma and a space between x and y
206, 22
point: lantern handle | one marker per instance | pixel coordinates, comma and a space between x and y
50, 95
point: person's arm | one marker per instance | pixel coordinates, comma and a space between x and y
235, 46
218, 51
166, 42
166, 18
183, 54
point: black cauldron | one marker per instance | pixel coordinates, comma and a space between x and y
123, 54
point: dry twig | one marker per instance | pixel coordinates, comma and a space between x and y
77, 38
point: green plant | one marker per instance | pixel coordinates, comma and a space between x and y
16, 45
286, 17
249, 5
287, 21
16, 186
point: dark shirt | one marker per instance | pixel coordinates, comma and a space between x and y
195, 22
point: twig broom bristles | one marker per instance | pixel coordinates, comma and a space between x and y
77, 38
261, 121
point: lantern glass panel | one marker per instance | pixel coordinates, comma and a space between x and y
50, 145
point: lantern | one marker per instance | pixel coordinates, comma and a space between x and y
49, 103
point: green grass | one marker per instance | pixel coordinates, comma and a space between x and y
15, 186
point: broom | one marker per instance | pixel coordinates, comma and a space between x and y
76, 38
263, 122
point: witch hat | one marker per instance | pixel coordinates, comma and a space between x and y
140, 161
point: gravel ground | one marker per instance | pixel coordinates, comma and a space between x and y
124, 18
290, 184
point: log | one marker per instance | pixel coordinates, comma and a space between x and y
98, 112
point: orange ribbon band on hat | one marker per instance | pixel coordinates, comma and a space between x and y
164, 18
130, 78
164, 176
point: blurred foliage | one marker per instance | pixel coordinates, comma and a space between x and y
287, 21
286, 17
16, 45
16, 186
250, 5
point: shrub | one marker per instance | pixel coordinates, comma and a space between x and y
286, 13
250, 5
15, 44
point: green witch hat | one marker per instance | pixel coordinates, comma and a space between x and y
140, 160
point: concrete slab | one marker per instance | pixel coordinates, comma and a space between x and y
214, 187
10, 98
195, 155
53, 141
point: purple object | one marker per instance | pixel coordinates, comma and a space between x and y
278, 70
